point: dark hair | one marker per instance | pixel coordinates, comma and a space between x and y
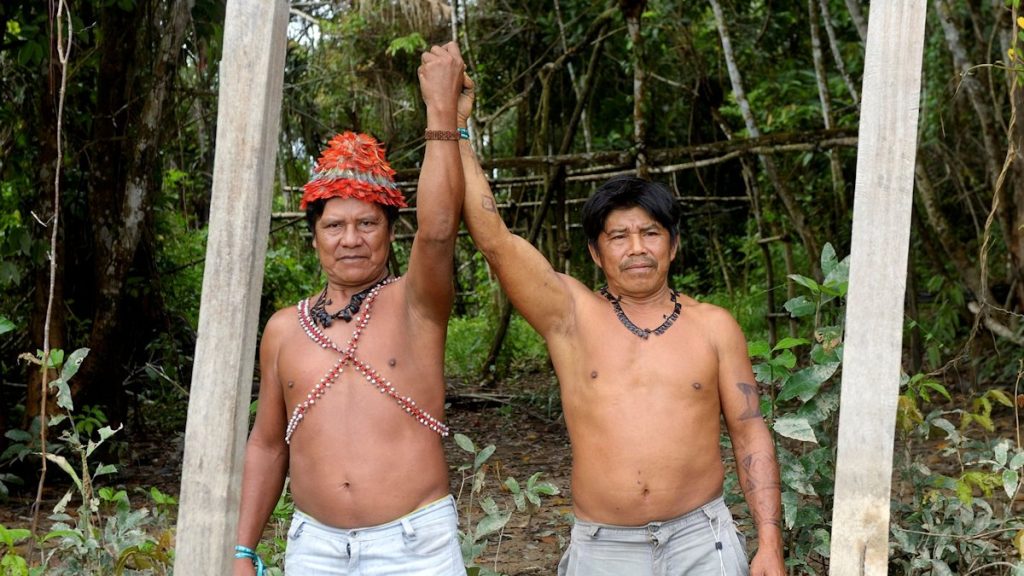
315, 209
630, 192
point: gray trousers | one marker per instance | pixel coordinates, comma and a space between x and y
703, 542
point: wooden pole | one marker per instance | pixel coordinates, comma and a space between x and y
248, 119
878, 268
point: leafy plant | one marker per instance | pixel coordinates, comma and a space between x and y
474, 538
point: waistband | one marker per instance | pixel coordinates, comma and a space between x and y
696, 516
436, 510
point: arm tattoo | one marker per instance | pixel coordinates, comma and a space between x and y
752, 400
488, 204
759, 475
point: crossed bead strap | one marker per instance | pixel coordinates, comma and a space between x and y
348, 358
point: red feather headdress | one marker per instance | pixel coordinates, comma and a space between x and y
353, 166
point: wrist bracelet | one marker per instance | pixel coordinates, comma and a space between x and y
464, 133
246, 552
440, 135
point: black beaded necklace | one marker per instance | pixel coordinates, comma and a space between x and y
643, 333
319, 313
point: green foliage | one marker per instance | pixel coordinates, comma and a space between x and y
105, 535
475, 535
411, 44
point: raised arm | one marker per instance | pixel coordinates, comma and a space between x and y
756, 464
266, 454
541, 295
440, 189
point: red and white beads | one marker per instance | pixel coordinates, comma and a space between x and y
348, 356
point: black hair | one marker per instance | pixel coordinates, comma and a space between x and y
630, 192
315, 209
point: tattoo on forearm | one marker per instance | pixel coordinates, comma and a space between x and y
488, 204
752, 400
759, 473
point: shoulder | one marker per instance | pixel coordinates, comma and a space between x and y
715, 321
282, 322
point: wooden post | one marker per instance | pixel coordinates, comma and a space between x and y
878, 268
248, 119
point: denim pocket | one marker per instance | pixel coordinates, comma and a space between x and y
431, 539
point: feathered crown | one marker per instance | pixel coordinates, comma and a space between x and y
353, 166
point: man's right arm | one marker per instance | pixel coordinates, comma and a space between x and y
536, 290
266, 454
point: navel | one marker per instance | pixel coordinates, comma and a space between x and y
291, 384
696, 385
392, 362
593, 375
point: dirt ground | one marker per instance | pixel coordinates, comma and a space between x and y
524, 425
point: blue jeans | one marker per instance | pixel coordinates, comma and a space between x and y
423, 543
702, 542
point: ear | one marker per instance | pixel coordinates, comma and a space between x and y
314, 240
595, 255
675, 249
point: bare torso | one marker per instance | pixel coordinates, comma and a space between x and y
643, 415
357, 458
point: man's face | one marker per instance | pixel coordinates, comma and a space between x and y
352, 239
634, 251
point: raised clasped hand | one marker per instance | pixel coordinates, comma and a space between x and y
441, 75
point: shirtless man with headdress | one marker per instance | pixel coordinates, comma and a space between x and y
647, 375
351, 399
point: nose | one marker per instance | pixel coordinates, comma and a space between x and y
636, 244
349, 236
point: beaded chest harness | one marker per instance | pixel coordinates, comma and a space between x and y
348, 358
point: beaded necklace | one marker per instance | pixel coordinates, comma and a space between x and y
643, 333
348, 358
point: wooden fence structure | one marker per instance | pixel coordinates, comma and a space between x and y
252, 73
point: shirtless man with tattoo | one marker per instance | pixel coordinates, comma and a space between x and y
351, 403
646, 376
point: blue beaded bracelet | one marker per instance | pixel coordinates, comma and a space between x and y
464, 133
245, 552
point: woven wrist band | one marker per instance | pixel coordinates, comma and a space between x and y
440, 135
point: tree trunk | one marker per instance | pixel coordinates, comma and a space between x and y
632, 11
841, 207
118, 236
793, 208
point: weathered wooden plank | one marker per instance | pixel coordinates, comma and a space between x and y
878, 267
248, 119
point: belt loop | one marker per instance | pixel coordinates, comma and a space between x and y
407, 528
592, 531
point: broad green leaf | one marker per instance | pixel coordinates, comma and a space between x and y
483, 455
806, 282
785, 360
465, 443
795, 476
545, 488
66, 466
800, 307
999, 451
105, 469
828, 259
63, 394
1017, 461
512, 484
491, 524
805, 383
795, 428
5, 325
787, 343
73, 363
790, 503
1018, 543
489, 506
1010, 480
